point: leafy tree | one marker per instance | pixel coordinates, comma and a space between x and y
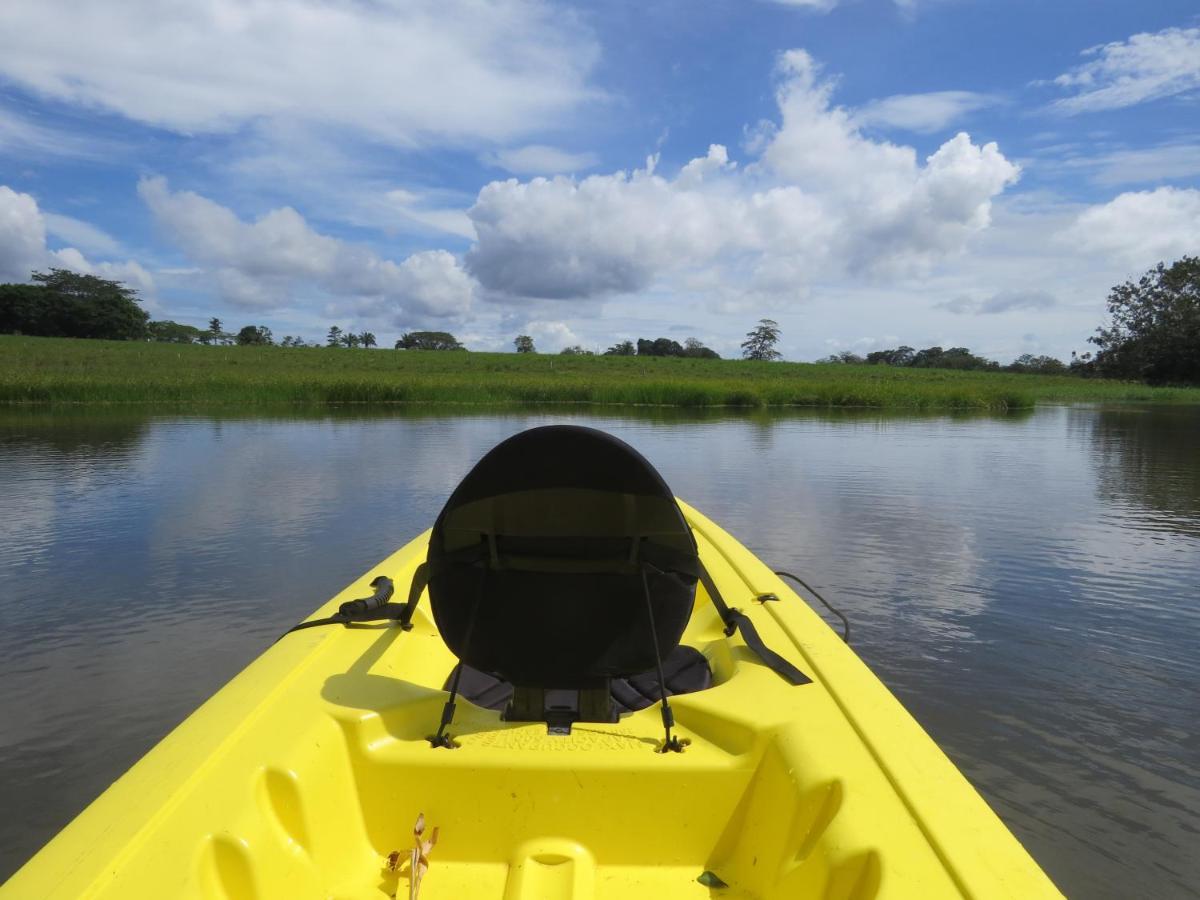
760, 342
255, 335
576, 350
30, 309
901, 356
428, 340
692, 347
954, 358
215, 334
367, 339
524, 344
1039, 365
659, 347
169, 332
334, 338
62, 303
1082, 365
1154, 334
350, 340
930, 358
844, 357
663, 347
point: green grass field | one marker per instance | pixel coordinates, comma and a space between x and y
64, 371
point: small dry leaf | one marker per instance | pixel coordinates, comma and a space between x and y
393, 861
419, 856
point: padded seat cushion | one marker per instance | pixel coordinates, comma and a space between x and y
685, 669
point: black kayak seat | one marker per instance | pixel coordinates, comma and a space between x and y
562, 562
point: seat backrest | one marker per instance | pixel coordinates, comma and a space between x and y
536, 563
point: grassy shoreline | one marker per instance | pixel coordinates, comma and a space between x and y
54, 371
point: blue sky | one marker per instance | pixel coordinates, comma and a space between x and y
866, 172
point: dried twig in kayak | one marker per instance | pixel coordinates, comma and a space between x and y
419, 864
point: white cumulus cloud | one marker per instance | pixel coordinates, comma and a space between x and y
262, 263
821, 198
1147, 66
23, 229
1141, 228
551, 337
22, 235
403, 72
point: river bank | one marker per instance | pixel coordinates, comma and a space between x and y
49, 371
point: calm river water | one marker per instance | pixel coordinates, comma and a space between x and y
1027, 586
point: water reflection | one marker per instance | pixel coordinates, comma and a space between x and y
1024, 583
1147, 459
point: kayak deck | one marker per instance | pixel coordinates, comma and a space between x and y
302, 775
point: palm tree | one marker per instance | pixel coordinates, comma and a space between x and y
368, 339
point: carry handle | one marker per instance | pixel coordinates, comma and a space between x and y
383, 593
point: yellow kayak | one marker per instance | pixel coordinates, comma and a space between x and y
337, 765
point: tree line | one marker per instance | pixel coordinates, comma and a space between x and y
955, 358
1153, 334
691, 348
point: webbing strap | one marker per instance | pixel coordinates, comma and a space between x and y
489, 549
420, 581
736, 620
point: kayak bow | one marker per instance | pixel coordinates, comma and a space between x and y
304, 775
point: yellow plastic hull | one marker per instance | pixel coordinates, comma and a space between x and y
302, 774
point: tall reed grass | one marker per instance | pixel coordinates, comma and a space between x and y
65, 371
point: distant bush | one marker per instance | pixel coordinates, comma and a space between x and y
428, 340
691, 348
168, 332
1037, 365
255, 336
846, 358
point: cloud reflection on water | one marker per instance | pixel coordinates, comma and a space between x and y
1025, 584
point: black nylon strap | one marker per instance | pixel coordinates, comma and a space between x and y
770, 658
665, 559
736, 620
420, 581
